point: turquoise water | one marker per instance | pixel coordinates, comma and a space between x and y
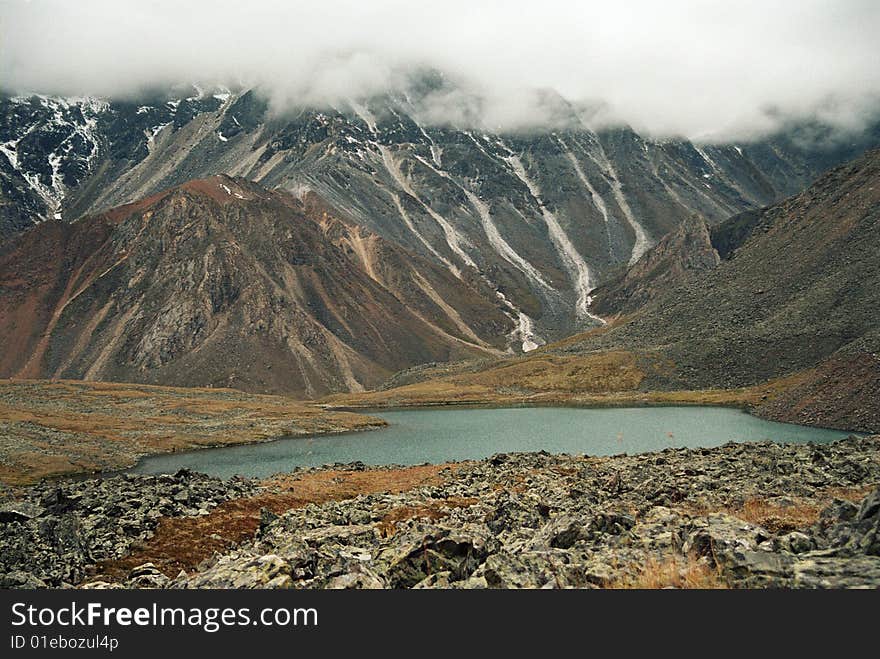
442, 435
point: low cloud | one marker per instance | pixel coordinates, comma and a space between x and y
698, 68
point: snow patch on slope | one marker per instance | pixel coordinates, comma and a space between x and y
705, 156
151, 134
454, 238
365, 115
81, 127
642, 241
524, 332
595, 197
571, 258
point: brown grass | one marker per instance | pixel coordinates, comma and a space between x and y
181, 543
779, 518
854, 494
608, 378
441, 392
31, 466
672, 572
597, 372
615, 371
774, 517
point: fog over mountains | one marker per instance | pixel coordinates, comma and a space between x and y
713, 68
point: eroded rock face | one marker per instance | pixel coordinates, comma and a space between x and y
528, 520
223, 283
796, 291
613, 192
683, 253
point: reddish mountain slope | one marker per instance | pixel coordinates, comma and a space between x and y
222, 282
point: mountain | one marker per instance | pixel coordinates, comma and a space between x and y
778, 309
680, 254
796, 291
795, 284
543, 217
221, 282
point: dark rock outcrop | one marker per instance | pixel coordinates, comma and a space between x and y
51, 535
741, 515
582, 523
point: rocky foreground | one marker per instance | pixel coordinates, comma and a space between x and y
741, 515
52, 532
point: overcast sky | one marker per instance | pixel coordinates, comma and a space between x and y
665, 66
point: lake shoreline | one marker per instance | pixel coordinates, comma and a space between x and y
55, 429
794, 398
369, 412
438, 435
739, 515
266, 416
399, 407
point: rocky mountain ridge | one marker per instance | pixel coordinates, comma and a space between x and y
543, 217
776, 309
221, 282
798, 283
684, 252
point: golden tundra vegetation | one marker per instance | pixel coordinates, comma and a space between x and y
544, 377
52, 428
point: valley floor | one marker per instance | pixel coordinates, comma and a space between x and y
463, 391
740, 515
840, 393
61, 428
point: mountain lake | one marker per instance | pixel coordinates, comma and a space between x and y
416, 436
